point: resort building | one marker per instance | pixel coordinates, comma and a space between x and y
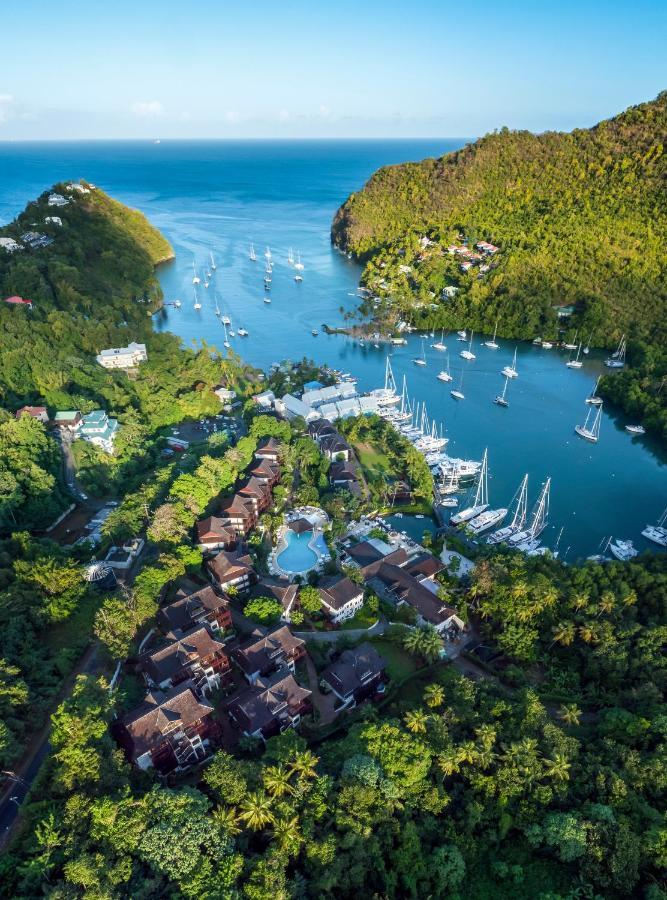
332, 394
193, 608
341, 598
123, 357
269, 449
57, 200
194, 656
53, 220
10, 245
35, 412
69, 419
357, 674
215, 533
398, 586
97, 428
487, 248
258, 492
266, 653
169, 731
122, 557
224, 395
79, 188
290, 407
266, 399
280, 589
232, 569
238, 513
270, 706
35, 240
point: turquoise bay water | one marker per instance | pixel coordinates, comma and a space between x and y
220, 196
297, 555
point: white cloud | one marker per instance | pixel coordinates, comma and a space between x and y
284, 115
325, 112
148, 109
7, 107
232, 117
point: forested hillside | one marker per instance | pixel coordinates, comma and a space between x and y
580, 220
93, 287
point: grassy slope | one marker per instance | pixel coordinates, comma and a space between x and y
581, 218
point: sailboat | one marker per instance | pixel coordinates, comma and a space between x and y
624, 551
225, 343
267, 253
420, 360
487, 519
510, 371
468, 354
213, 265
547, 345
195, 278
573, 344
298, 265
518, 519
617, 359
635, 429
492, 343
242, 332
593, 398
458, 393
657, 533
481, 501
588, 344
252, 254
197, 303
593, 433
445, 375
602, 547
231, 332
462, 335
290, 257
501, 399
267, 299
217, 308
576, 362
298, 277
527, 540
440, 345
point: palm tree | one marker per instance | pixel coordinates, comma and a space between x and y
557, 768
256, 810
588, 634
304, 764
466, 753
485, 758
607, 602
416, 720
570, 714
630, 599
486, 734
564, 633
288, 835
413, 641
431, 644
225, 817
276, 781
448, 762
434, 695
579, 601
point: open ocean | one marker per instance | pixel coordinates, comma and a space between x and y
219, 196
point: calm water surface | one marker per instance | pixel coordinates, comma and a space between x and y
220, 196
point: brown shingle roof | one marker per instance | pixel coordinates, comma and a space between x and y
189, 648
260, 655
181, 614
230, 564
162, 712
354, 668
213, 528
338, 590
407, 588
279, 588
424, 566
268, 701
300, 525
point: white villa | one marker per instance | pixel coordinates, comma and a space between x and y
123, 357
10, 245
57, 200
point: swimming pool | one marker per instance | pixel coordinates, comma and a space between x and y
297, 556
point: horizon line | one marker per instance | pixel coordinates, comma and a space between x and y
156, 140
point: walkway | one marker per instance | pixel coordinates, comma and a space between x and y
323, 703
331, 637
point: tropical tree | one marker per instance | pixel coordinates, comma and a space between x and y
416, 721
303, 763
570, 713
256, 810
434, 695
276, 781
557, 768
564, 633
226, 818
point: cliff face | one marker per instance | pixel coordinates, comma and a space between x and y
580, 219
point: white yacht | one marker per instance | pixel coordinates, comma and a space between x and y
572, 345
657, 533
226, 320
468, 354
623, 550
617, 359
501, 399
635, 429
527, 540
510, 371
593, 399
445, 374
197, 303
462, 335
518, 522
298, 265
213, 265
492, 343
252, 255
242, 332
575, 363
420, 360
590, 433
440, 345
195, 278
481, 501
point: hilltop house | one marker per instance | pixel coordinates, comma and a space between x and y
169, 731
232, 568
341, 598
123, 357
192, 608
97, 428
53, 220
398, 586
270, 706
69, 419
10, 245
194, 655
35, 240
269, 449
265, 653
356, 674
57, 200
35, 412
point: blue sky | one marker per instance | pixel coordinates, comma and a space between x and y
143, 69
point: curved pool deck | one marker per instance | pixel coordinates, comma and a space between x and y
298, 554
